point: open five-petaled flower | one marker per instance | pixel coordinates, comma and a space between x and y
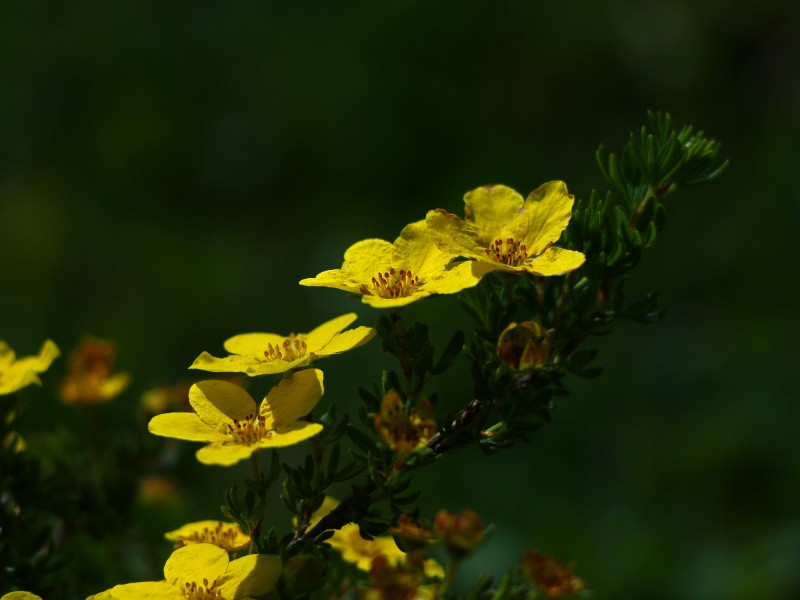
227, 418
390, 275
203, 571
17, 373
506, 233
269, 353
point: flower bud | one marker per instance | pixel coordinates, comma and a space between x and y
554, 578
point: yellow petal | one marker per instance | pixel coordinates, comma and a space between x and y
20, 596
433, 569
184, 426
225, 535
224, 454
254, 575
192, 564
456, 277
548, 210
291, 434
229, 364
454, 235
555, 261
253, 344
17, 374
150, 590
218, 402
492, 210
362, 261
320, 336
416, 250
347, 340
379, 302
294, 397
114, 385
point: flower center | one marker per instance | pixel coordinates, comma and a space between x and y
249, 430
222, 535
206, 591
292, 348
392, 284
508, 252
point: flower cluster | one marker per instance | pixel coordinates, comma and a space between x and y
500, 231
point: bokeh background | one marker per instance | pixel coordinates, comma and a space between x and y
169, 171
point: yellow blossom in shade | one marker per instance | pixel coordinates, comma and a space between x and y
225, 535
17, 373
91, 379
524, 346
203, 572
20, 596
553, 577
269, 353
507, 233
227, 418
404, 581
393, 275
355, 549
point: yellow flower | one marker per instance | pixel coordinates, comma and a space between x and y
227, 417
355, 549
20, 596
524, 346
204, 571
269, 353
224, 535
16, 373
507, 233
393, 275
90, 379
399, 581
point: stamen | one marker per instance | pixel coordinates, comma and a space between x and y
392, 284
249, 430
193, 591
291, 349
508, 252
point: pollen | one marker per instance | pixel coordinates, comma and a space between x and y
221, 535
292, 348
508, 252
392, 284
249, 430
204, 591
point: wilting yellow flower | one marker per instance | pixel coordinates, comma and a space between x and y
226, 416
224, 535
17, 373
392, 275
402, 581
507, 233
269, 353
554, 578
404, 430
524, 346
204, 571
90, 379
460, 533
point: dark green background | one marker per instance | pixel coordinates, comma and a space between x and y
169, 171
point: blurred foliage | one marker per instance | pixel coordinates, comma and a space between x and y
168, 172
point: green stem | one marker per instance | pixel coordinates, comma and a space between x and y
255, 530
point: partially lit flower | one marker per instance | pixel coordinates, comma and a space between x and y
524, 346
203, 572
509, 234
227, 418
90, 379
269, 353
390, 275
224, 535
355, 549
405, 429
554, 578
460, 533
17, 373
